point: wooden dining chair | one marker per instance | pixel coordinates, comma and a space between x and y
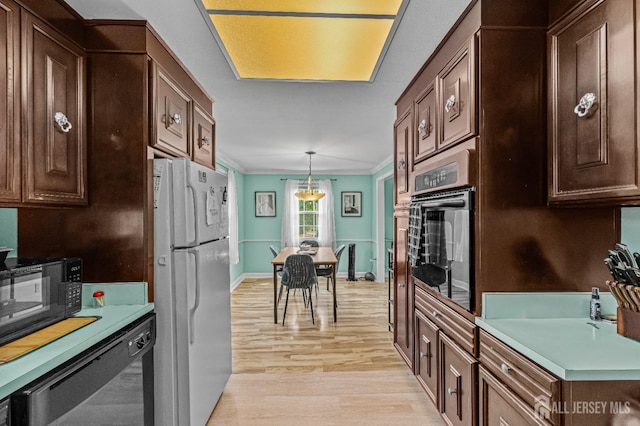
299, 272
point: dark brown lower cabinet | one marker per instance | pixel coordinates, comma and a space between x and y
500, 406
459, 383
426, 364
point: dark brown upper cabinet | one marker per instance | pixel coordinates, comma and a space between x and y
593, 146
173, 117
43, 133
204, 132
53, 122
9, 102
403, 136
426, 125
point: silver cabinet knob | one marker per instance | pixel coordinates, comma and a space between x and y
206, 140
435, 314
176, 118
505, 368
450, 103
422, 354
452, 391
585, 104
63, 123
422, 126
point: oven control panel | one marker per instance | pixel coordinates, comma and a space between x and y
436, 178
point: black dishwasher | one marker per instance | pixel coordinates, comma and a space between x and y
110, 383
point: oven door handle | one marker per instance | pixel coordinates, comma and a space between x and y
442, 203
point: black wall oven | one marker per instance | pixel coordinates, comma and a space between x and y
440, 246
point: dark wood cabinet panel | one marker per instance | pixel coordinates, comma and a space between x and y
403, 291
403, 136
458, 384
9, 102
53, 122
499, 406
592, 111
204, 142
173, 117
427, 361
426, 123
457, 88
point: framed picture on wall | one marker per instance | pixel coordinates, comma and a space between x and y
352, 203
265, 203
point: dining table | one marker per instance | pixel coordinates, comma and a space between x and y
320, 256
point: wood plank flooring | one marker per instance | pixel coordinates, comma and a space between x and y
344, 373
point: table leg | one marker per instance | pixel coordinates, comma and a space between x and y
275, 294
335, 303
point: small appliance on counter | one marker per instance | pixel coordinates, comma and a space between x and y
37, 292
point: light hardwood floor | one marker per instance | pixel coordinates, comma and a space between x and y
344, 373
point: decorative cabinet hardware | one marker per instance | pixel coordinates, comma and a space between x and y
401, 164
205, 141
63, 123
585, 104
505, 368
423, 355
450, 103
435, 314
176, 118
452, 391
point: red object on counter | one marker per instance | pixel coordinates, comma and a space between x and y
98, 293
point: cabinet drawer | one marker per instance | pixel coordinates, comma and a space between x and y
462, 331
458, 403
426, 123
498, 405
535, 386
173, 118
457, 86
426, 366
204, 144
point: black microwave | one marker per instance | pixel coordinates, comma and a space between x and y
37, 292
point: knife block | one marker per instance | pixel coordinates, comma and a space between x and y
628, 298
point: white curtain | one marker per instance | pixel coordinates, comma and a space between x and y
291, 215
326, 220
232, 201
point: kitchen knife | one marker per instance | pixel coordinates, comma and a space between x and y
625, 255
615, 293
624, 294
636, 256
610, 264
635, 296
613, 255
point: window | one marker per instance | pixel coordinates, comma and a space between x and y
308, 219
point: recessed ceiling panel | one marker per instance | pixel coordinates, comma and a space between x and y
302, 48
363, 7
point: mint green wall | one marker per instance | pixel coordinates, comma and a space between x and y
261, 232
9, 230
630, 231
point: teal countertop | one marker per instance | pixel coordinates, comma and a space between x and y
124, 303
554, 330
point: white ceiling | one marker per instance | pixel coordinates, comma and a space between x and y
266, 126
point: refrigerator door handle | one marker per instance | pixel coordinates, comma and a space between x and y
196, 303
195, 210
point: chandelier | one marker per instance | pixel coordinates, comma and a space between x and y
308, 194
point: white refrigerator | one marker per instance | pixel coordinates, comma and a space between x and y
192, 356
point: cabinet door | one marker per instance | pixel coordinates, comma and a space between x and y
500, 406
592, 107
53, 120
426, 123
403, 311
204, 143
9, 102
459, 380
402, 142
173, 108
426, 367
457, 85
